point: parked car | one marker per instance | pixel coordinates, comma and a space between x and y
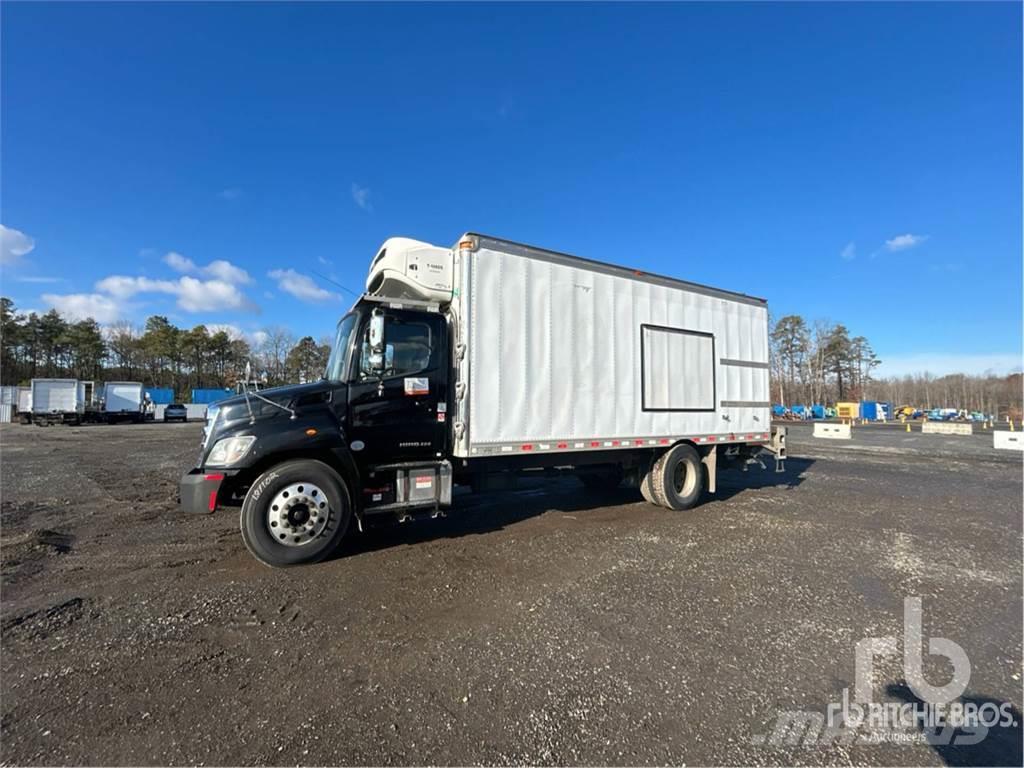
175, 412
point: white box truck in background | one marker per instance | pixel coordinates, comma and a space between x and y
471, 364
60, 401
124, 400
25, 404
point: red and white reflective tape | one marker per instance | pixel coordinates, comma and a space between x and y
619, 443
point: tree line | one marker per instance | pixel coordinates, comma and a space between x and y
159, 354
821, 362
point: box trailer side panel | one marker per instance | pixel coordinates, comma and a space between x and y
564, 355
122, 396
56, 396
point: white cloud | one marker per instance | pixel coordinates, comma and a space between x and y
259, 338
301, 286
80, 306
193, 295
361, 197
14, 244
124, 287
231, 193
179, 263
903, 242
941, 363
218, 269
233, 331
849, 252
226, 271
208, 295
325, 262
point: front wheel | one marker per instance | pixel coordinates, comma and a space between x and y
296, 512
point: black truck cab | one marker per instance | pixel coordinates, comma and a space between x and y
371, 436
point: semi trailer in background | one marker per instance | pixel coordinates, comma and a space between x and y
474, 364
57, 401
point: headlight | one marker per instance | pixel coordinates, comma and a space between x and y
229, 450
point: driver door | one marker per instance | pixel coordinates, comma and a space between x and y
401, 414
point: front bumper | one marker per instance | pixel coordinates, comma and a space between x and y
198, 490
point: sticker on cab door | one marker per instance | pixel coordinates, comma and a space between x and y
417, 385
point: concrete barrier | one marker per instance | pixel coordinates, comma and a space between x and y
832, 431
1008, 441
947, 428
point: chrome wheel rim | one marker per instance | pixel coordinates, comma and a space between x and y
298, 514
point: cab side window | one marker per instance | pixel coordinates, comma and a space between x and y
407, 348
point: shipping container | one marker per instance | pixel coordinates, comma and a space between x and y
207, 396
161, 395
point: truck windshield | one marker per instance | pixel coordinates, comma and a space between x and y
337, 363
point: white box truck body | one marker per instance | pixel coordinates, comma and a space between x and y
57, 400
563, 354
25, 405
123, 400
24, 399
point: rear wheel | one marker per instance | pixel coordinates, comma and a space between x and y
296, 512
677, 478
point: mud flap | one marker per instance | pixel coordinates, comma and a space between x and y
778, 447
710, 461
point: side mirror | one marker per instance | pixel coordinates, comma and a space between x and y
377, 333
376, 344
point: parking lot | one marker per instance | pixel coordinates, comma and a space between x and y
541, 626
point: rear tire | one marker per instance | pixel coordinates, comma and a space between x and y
262, 532
645, 485
677, 478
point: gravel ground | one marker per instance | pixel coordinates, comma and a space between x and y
539, 626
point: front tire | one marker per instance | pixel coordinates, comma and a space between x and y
677, 478
296, 512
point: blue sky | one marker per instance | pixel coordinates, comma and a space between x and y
860, 163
